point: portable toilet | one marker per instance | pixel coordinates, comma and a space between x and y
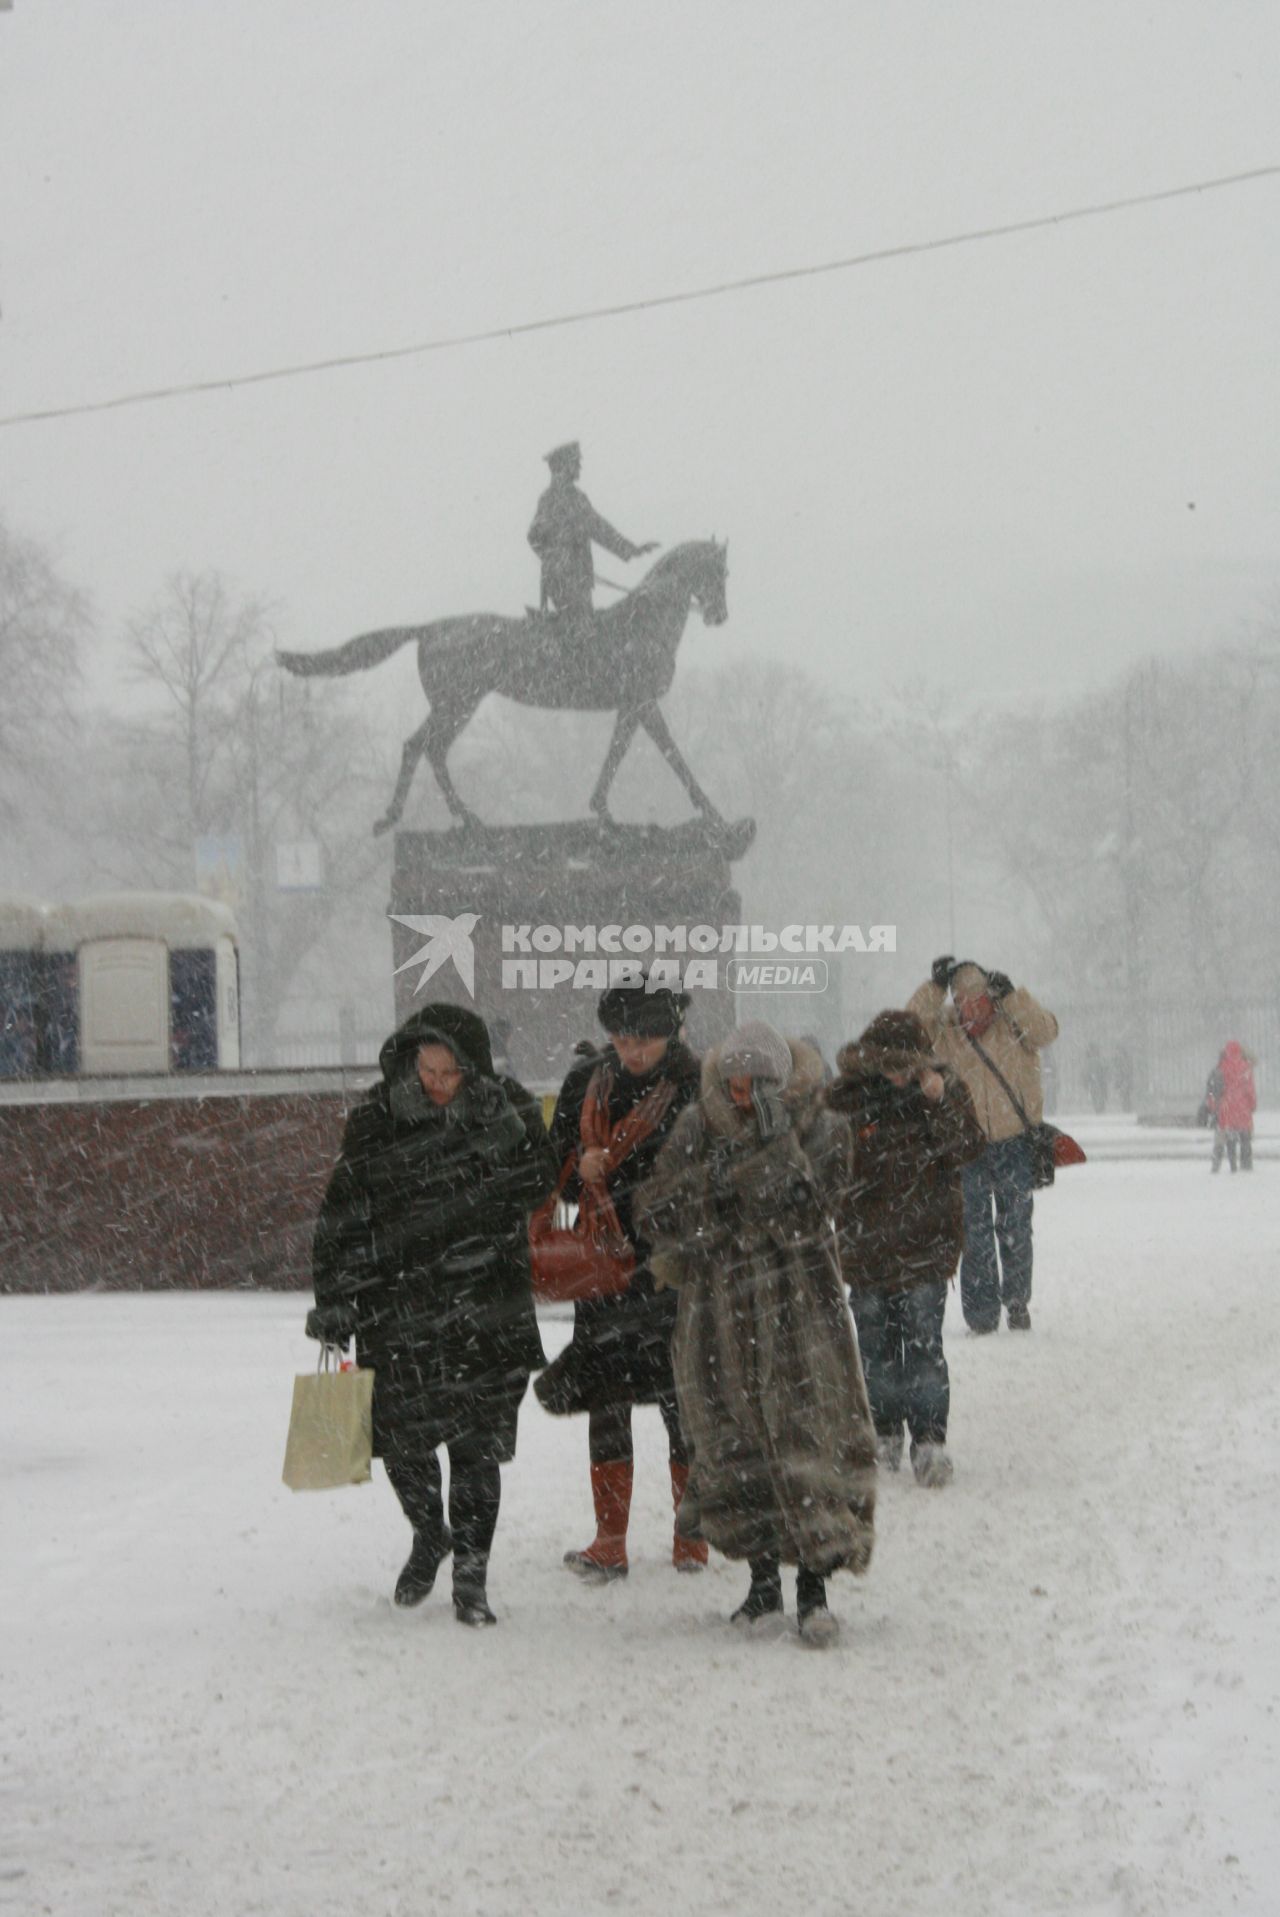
157, 981
21, 961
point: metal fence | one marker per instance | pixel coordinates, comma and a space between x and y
1154, 1058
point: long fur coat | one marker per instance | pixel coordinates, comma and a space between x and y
772, 1400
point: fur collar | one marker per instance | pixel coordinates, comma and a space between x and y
802, 1095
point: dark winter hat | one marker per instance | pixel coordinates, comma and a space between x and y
564, 456
464, 1032
893, 1042
633, 1011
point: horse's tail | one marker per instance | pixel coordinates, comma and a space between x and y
356, 655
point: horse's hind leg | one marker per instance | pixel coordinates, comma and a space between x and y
656, 727
414, 746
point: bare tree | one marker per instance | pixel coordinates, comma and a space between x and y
196, 645
42, 621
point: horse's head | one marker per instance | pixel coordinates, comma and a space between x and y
700, 569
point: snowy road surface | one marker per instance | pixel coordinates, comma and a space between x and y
1055, 1691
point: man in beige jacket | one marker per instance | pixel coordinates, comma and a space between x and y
989, 1020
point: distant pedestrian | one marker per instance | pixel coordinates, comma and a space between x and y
901, 1226
1096, 1077
1230, 1101
991, 1035
1122, 1060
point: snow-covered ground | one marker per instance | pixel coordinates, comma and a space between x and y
1055, 1691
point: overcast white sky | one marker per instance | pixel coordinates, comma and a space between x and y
1028, 460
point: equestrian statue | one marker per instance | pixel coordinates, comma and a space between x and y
570, 658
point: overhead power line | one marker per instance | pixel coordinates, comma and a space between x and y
448, 341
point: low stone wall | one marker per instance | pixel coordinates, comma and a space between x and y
155, 1184
131, 1193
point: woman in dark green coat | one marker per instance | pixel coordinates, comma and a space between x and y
421, 1254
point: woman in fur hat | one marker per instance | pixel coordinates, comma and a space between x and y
620, 1353
770, 1386
421, 1254
901, 1225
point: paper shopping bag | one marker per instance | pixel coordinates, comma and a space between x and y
330, 1429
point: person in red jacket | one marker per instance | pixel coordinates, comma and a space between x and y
1230, 1102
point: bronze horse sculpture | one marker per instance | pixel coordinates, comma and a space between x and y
625, 661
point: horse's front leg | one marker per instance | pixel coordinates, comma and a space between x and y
413, 750
624, 731
656, 726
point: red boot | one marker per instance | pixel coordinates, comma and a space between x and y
606, 1558
687, 1554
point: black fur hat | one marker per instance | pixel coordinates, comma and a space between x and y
633, 1011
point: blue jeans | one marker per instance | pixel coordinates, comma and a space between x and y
900, 1335
997, 1212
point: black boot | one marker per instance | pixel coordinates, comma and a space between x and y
418, 1577
416, 1482
817, 1626
470, 1600
475, 1489
764, 1599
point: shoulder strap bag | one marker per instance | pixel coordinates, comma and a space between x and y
1049, 1148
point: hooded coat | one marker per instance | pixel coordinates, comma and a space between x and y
620, 1352
1232, 1098
422, 1242
772, 1399
901, 1217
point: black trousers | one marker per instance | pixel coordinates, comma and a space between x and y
475, 1492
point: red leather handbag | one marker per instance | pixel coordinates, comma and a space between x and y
591, 1258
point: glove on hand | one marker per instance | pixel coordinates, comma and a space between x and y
330, 1324
999, 985
797, 1194
720, 1179
942, 969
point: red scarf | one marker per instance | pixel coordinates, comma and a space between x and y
596, 1212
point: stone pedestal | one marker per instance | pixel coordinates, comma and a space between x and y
579, 874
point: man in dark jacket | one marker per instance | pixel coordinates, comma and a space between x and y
421, 1253
902, 1228
620, 1354
565, 526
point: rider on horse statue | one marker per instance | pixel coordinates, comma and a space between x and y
564, 528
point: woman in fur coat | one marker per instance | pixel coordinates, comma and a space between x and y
772, 1399
421, 1254
901, 1223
